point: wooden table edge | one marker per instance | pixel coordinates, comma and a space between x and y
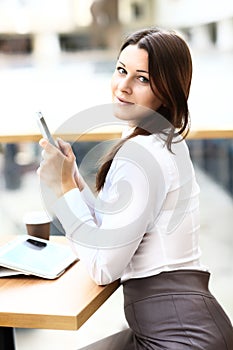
103, 136
62, 322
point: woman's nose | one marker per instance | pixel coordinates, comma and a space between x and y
125, 85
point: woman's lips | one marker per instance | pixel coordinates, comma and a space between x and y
122, 101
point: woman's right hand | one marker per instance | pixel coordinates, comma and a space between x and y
57, 169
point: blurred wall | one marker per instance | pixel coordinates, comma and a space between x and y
186, 13
84, 24
207, 22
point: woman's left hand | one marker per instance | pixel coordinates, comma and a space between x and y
57, 169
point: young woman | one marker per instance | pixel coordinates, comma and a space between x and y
143, 225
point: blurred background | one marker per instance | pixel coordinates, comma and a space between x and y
58, 57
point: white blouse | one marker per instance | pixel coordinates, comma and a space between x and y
144, 221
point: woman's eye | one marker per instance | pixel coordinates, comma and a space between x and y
121, 70
143, 79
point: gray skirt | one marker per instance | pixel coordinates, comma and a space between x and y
171, 311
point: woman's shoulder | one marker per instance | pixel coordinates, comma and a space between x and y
151, 142
158, 142
154, 145
142, 149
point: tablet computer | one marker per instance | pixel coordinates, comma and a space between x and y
35, 256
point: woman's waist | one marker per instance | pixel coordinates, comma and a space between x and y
185, 281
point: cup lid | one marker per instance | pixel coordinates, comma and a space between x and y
36, 217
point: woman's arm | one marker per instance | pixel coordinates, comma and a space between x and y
131, 198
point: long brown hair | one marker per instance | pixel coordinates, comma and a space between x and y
170, 71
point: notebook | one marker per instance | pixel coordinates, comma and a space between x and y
35, 256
